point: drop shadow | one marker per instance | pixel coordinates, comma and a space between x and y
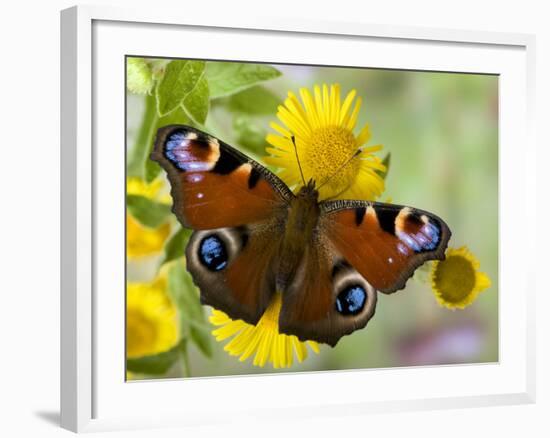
51, 417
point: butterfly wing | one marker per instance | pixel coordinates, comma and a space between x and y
328, 298
237, 207
234, 268
359, 248
384, 242
214, 185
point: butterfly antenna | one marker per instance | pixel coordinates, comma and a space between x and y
298, 160
355, 154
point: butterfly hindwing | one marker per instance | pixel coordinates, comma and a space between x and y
214, 185
234, 268
328, 297
384, 242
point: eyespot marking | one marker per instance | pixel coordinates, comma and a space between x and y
190, 153
418, 232
352, 300
213, 253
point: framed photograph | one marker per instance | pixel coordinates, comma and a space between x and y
262, 208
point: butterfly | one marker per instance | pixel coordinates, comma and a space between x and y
253, 237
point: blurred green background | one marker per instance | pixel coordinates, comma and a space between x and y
442, 132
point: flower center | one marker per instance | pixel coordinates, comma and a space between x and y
329, 148
455, 278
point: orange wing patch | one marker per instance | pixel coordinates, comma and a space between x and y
384, 242
214, 185
251, 277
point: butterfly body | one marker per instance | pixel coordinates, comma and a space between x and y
253, 238
300, 226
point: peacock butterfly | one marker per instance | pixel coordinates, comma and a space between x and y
253, 237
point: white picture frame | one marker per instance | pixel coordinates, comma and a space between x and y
94, 395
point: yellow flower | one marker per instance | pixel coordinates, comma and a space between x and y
151, 319
262, 339
456, 281
153, 190
140, 240
143, 241
322, 127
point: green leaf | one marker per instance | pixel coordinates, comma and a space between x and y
197, 102
249, 134
152, 170
226, 78
176, 117
192, 320
386, 162
150, 213
175, 247
180, 78
155, 364
254, 101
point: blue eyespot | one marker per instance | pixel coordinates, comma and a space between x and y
174, 147
212, 253
351, 300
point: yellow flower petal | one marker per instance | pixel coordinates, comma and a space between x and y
346, 106
314, 346
363, 136
142, 241
294, 105
227, 330
319, 104
262, 340
326, 106
280, 129
311, 109
252, 345
301, 352
335, 103
283, 143
355, 113
482, 281
292, 121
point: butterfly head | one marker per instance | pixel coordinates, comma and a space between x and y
309, 191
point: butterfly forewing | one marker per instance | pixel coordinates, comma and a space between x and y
239, 207
384, 242
214, 185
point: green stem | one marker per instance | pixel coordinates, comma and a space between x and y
185, 367
144, 141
